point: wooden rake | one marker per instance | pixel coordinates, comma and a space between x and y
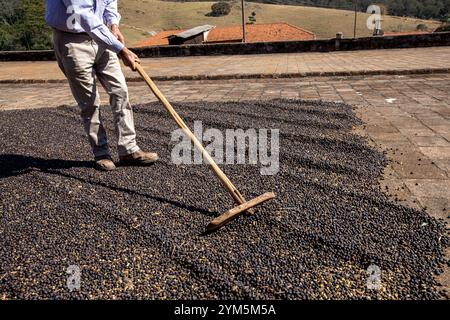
243, 205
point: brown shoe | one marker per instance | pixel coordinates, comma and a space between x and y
104, 163
139, 158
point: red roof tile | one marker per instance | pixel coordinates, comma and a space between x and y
266, 32
159, 39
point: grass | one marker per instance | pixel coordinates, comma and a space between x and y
142, 16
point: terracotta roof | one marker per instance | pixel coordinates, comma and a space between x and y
264, 32
159, 39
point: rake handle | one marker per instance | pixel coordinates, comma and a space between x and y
238, 198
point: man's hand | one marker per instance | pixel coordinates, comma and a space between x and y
129, 58
116, 32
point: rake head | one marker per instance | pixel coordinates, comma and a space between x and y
235, 212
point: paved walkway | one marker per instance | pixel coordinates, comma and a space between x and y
399, 61
408, 116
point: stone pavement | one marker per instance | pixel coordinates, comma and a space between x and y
408, 116
397, 61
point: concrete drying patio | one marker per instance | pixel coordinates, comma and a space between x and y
137, 232
408, 116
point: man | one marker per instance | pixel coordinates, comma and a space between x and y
87, 41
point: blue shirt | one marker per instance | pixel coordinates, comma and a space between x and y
91, 16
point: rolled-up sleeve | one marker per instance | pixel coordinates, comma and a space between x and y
111, 14
83, 10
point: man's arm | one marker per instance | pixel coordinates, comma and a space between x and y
112, 19
83, 10
111, 15
97, 30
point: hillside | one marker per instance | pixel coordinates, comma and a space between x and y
22, 25
424, 9
143, 16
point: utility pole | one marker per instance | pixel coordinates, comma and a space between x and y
244, 36
356, 18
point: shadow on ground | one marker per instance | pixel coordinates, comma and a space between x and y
15, 164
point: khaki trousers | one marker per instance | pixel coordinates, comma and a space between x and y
84, 62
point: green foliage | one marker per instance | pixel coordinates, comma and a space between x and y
252, 17
220, 9
422, 27
22, 25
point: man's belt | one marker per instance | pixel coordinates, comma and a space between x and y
75, 33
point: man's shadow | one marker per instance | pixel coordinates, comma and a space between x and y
14, 165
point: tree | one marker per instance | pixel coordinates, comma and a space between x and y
9, 11
22, 25
252, 18
422, 27
35, 34
220, 9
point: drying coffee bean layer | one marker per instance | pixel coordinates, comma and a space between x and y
138, 232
